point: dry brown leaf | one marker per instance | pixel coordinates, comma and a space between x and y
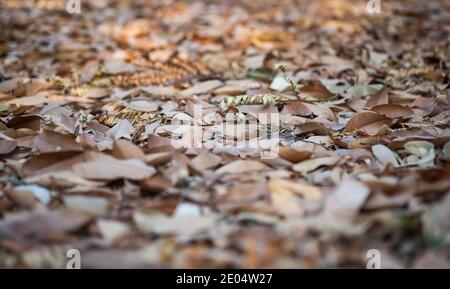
313, 164
162, 224
314, 128
108, 168
30, 121
202, 87
346, 201
315, 91
124, 150
393, 110
50, 141
112, 230
205, 161
95, 206
7, 146
158, 144
40, 225
367, 122
379, 98
241, 166
294, 155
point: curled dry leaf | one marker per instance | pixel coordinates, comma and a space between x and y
108, 168
384, 155
422, 153
315, 163
202, 87
379, 98
7, 146
393, 110
315, 91
50, 141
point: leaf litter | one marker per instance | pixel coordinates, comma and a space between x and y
90, 105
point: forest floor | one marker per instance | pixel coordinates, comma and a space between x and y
225, 134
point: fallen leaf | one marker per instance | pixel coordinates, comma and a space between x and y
435, 221
346, 201
124, 150
311, 128
112, 230
161, 224
50, 141
422, 151
315, 91
117, 66
279, 83
121, 129
241, 166
40, 193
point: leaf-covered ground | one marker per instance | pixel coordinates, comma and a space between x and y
90, 102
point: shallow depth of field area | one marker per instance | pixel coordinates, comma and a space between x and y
102, 153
